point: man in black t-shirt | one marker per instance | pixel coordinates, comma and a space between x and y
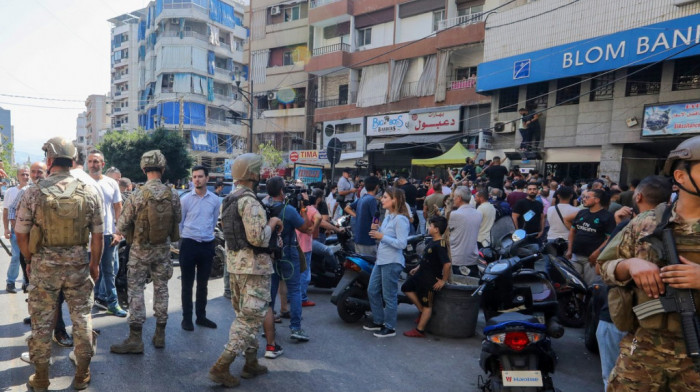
495, 173
527, 213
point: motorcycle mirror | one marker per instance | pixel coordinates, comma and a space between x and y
519, 235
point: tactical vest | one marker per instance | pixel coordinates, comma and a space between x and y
155, 223
64, 215
232, 222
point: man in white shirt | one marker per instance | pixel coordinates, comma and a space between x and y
488, 216
464, 225
560, 221
10, 194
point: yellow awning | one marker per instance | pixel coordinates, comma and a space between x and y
456, 156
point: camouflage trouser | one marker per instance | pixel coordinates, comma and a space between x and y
653, 362
155, 260
250, 295
47, 283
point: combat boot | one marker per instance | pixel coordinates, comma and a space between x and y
132, 345
159, 336
252, 368
39, 381
82, 373
219, 373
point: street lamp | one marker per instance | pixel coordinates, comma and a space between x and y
248, 96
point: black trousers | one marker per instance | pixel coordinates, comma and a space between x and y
195, 261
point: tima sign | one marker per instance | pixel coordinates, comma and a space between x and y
666, 40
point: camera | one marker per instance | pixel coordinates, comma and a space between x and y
293, 196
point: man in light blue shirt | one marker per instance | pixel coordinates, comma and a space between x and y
200, 213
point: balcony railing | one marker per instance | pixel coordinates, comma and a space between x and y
331, 49
318, 3
461, 84
460, 21
325, 103
224, 123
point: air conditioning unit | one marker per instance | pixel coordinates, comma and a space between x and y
329, 130
275, 10
501, 127
271, 95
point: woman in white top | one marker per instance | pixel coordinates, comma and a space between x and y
560, 214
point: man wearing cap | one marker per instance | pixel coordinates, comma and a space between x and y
653, 355
150, 220
54, 221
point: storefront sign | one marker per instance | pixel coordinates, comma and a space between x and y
388, 124
434, 122
308, 156
672, 119
672, 39
227, 169
308, 174
485, 140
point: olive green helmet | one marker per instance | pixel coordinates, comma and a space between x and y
688, 150
153, 158
246, 166
59, 147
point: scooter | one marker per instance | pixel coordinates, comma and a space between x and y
572, 292
323, 273
519, 304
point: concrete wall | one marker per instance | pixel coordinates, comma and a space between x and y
414, 27
382, 35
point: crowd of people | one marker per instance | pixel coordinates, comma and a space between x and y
65, 223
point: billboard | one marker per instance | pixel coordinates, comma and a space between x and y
308, 174
671, 119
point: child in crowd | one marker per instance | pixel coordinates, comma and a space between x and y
429, 276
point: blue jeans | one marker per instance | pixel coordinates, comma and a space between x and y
421, 220
609, 347
319, 248
288, 270
13, 269
104, 287
383, 290
305, 277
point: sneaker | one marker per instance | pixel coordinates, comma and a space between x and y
116, 311
308, 303
62, 338
414, 333
10, 288
273, 352
371, 326
25, 358
102, 304
300, 335
187, 325
385, 333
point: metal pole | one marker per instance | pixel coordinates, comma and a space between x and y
250, 119
332, 173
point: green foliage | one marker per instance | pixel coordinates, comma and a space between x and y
7, 150
123, 150
271, 156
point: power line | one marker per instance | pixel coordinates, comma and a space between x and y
41, 98
40, 106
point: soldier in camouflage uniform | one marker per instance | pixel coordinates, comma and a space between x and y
653, 355
54, 220
149, 219
248, 231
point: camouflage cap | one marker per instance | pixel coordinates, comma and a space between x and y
59, 147
688, 150
153, 158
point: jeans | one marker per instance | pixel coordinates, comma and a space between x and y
329, 261
609, 347
287, 269
527, 138
13, 269
421, 220
384, 287
306, 277
104, 287
195, 260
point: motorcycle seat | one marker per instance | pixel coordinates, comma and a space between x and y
509, 318
332, 240
371, 259
414, 239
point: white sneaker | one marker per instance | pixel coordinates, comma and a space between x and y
25, 358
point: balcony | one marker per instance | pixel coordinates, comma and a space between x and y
409, 90
225, 126
326, 103
328, 59
331, 49
461, 84
319, 3
329, 12
460, 21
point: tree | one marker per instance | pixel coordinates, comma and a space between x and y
123, 149
271, 156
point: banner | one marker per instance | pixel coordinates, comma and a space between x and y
312, 157
227, 169
434, 122
308, 174
671, 119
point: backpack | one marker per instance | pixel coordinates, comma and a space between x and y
155, 223
64, 221
502, 209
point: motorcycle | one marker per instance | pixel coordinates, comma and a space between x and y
520, 305
572, 293
323, 273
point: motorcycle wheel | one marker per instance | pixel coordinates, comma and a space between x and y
589, 337
347, 312
571, 311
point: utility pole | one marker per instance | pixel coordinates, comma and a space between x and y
250, 119
182, 116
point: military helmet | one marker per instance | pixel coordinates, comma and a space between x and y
153, 158
688, 150
59, 147
246, 166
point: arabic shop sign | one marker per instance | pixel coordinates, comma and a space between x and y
388, 124
671, 119
672, 39
434, 122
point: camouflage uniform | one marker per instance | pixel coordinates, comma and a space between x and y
145, 258
59, 268
249, 277
653, 358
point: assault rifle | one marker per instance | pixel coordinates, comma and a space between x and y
676, 301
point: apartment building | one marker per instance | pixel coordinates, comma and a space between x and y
278, 54
7, 130
97, 118
395, 79
615, 94
178, 64
81, 130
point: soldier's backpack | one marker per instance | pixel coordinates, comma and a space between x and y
64, 216
156, 222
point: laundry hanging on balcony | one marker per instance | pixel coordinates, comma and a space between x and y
213, 34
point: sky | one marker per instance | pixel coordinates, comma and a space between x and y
54, 50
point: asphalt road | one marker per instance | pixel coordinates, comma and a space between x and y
339, 357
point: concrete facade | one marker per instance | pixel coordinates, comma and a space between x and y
97, 119
81, 130
7, 130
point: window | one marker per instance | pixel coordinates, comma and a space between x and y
465, 73
167, 84
643, 80
349, 146
437, 17
686, 74
343, 94
508, 99
364, 36
568, 91
536, 96
602, 87
292, 13
473, 10
220, 62
287, 58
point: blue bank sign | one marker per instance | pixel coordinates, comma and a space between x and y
666, 40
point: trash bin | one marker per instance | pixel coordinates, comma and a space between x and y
455, 311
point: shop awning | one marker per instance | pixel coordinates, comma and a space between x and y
426, 138
456, 156
379, 143
576, 154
